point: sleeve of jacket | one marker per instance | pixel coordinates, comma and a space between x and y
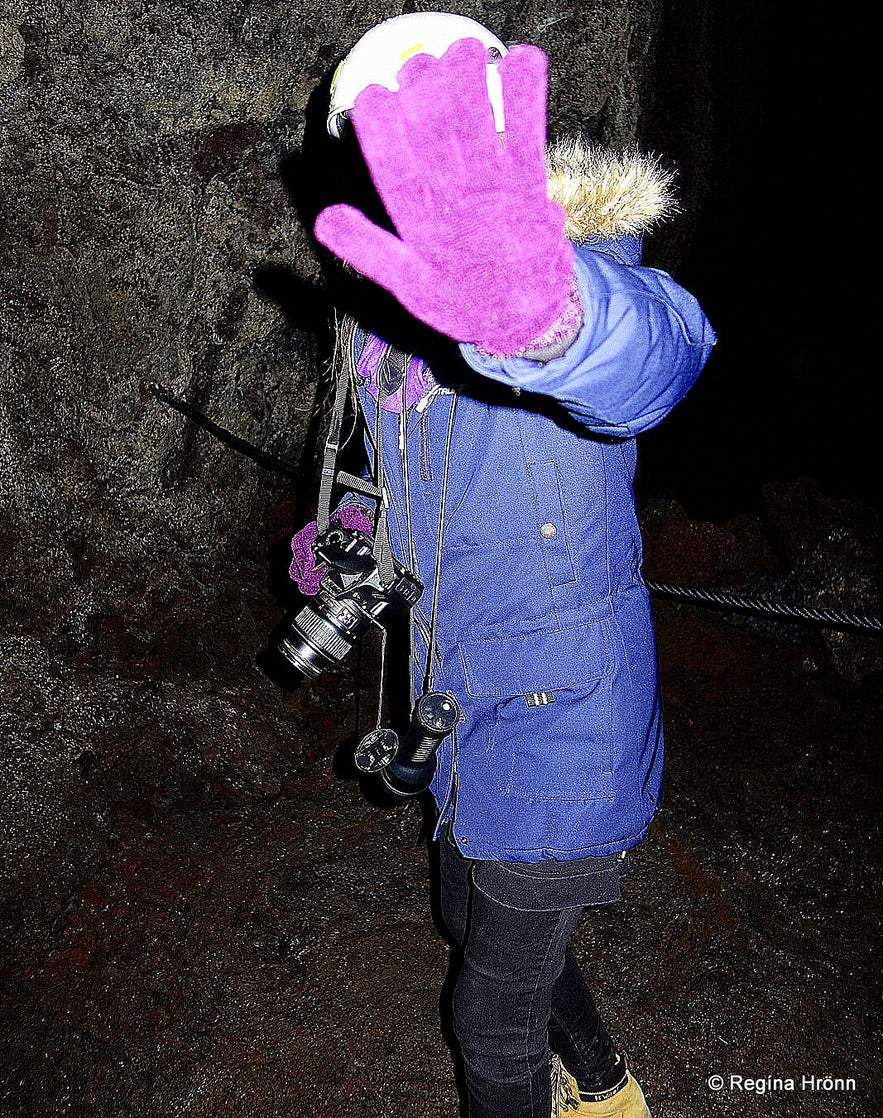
643, 342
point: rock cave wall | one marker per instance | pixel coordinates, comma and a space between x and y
149, 228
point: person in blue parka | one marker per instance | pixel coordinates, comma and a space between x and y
509, 495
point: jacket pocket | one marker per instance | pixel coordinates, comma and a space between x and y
536, 662
551, 523
557, 751
551, 706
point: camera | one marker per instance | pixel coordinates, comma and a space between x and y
351, 597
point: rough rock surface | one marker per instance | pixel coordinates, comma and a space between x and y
156, 185
205, 915
150, 170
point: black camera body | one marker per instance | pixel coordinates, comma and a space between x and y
351, 597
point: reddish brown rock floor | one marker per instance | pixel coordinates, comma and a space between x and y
238, 930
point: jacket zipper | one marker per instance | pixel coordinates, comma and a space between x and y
451, 810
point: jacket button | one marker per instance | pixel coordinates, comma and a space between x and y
548, 531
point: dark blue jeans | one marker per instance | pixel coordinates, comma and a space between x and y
519, 991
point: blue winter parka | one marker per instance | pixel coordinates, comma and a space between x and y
544, 628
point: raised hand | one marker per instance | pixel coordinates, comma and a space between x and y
480, 253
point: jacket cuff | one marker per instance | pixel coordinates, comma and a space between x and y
557, 338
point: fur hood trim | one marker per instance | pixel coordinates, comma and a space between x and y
608, 193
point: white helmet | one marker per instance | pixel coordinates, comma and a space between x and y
381, 52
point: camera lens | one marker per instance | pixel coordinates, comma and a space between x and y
322, 635
351, 597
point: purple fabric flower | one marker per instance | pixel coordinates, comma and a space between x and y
303, 569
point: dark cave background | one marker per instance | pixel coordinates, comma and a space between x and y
203, 913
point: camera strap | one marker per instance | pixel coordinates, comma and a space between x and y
388, 381
332, 446
429, 676
382, 546
346, 364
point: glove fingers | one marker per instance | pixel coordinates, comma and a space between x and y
439, 125
450, 91
524, 75
371, 250
386, 144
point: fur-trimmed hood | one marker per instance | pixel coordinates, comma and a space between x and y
608, 193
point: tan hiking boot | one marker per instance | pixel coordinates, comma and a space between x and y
626, 1102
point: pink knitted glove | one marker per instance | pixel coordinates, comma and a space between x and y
480, 254
303, 569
